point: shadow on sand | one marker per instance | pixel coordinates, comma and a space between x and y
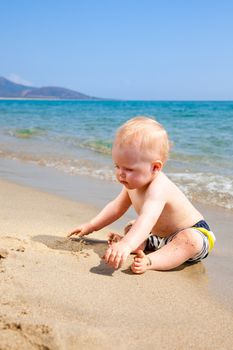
79, 246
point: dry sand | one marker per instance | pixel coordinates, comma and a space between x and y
58, 294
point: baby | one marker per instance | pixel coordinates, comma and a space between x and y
168, 227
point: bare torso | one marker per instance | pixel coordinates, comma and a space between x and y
177, 213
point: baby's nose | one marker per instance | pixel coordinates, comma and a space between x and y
121, 173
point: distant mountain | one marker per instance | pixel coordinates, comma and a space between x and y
8, 89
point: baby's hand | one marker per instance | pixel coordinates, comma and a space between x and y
141, 263
113, 238
116, 254
82, 230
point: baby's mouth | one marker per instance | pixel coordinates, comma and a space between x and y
123, 182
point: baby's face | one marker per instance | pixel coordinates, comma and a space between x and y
132, 170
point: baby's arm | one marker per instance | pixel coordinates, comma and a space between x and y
110, 213
140, 230
146, 220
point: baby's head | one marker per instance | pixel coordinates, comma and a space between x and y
147, 136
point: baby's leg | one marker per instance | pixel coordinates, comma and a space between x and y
185, 245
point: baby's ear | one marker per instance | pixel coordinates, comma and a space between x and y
157, 166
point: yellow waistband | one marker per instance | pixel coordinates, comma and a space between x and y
209, 235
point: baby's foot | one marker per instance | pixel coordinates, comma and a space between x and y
141, 263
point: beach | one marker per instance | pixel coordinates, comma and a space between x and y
73, 73
59, 294
56, 172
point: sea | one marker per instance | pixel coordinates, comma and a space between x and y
75, 138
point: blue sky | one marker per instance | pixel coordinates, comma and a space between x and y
129, 49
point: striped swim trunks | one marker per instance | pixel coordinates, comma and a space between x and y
155, 242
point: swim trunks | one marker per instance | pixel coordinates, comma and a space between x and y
155, 242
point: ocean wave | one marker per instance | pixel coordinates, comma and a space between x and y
66, 165
100, 146
27, 133
206, 188
96, 145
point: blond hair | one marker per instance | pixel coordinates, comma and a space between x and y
145, 133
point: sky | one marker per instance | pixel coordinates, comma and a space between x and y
123, 49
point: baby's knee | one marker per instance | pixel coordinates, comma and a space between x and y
190, 239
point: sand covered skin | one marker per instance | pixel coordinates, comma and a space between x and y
59, 294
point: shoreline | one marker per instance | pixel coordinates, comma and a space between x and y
60, 295
74, 187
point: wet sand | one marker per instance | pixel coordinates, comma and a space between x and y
59, 294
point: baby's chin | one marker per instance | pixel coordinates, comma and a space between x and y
140, 186
126, 184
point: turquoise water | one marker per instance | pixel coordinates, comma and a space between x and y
75, 137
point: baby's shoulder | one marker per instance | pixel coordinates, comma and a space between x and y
161, 186
161, 180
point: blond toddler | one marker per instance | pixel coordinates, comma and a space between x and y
168, 227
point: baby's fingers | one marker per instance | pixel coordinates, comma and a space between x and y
110, 237
70, 234
118, 261
76, 232
107, 254
113, 259
113, 237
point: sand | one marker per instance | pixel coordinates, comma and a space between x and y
59, 294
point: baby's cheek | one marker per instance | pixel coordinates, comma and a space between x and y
139, 179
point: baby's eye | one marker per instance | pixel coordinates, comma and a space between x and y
129, 169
